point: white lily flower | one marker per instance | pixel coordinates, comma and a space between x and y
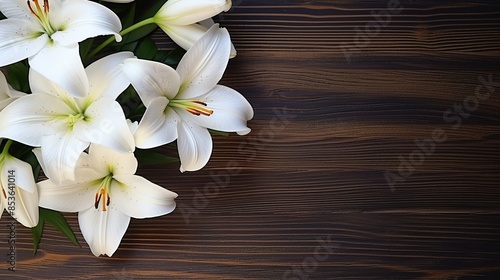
181, 104
64, 126
7, 93
106, 194
47, 32
184, 21
19, 195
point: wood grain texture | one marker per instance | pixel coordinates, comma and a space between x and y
325, 132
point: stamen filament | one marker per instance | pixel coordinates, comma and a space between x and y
103, 193
41, 14
194, 107
31, 8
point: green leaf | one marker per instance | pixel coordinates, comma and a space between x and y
149, 10
148, 157
86, 46
57, 220
147, 49
17, 76
35, 166
216, 132
139, 33
174, 57
37, 235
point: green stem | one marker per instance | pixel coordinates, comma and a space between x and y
7, 146
122, 33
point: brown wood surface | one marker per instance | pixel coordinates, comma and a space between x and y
324, 134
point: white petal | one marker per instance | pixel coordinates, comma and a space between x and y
68, 197
20, 39
78, 20
194, 144
103, 230
203, 65
184, 12
15, 93
26, 211
207, 24
158, 126
184, 35
25, 196
132, 126
4, 87
230, 111
151, 79
15, 9
21, 172
63, 66
5, 98
60, 153
40, 84
29, 118
139, 198
103, 159
5, 103
38, 154
106, 125
106, 78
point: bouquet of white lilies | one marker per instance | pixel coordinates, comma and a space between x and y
63, 107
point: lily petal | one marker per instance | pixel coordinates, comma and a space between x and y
106, 78
139, 198
102, 158
184, 12
103, 230
106, 125
203, 65
21, 172
207, 24
15, 9
231, 111
151, 79
20, 39
4, 87
78, 20
184, 35
29, 118
73, 197
194, 144
60, 160
25, 192
158, 126
5, 94
26, 207
41, 84
54, 59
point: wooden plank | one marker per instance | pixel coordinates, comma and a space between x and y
326, 131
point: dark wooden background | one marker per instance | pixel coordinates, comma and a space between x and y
325, 132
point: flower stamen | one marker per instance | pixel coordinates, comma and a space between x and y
103, 193
41, 14
194, 107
